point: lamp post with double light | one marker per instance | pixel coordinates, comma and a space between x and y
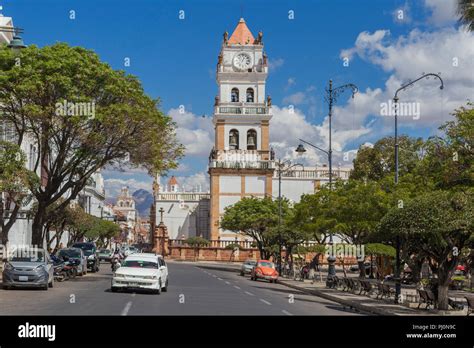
398, 285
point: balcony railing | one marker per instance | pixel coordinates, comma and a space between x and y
241, 155
315, 174
242, 164
242, 110
182, 196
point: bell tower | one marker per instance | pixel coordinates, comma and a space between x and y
241, 162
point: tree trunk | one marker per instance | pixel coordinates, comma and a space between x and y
37, 227
443, 297
415, 266
3, 233
261, 249
445, 271
361, 269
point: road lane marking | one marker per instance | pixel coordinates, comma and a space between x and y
127, 308
286, 312
214, 275
228, 283
266, 302
220, 278
237, 287
134, 294
249, 293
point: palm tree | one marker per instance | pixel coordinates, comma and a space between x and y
466, 12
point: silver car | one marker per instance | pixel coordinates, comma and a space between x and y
247, 267
32, 270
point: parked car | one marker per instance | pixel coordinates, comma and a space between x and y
264, 269
77, 255
31, 269
90, 250
129, 250
105, 255
133, 250
247, 267
141, 271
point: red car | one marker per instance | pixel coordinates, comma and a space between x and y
264, 269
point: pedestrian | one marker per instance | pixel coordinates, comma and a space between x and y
315, 263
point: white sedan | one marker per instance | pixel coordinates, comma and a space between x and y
141, 271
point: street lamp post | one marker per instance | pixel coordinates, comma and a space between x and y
331, 264
331, 98
162, 242
281, 164
398, 285
17, 42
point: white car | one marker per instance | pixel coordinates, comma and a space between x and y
141, 271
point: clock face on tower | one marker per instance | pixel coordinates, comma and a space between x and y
242, 61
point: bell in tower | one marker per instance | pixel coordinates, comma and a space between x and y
234, 139
251, 140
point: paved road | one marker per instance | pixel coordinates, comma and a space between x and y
192, 291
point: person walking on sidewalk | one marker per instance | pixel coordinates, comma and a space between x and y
314, 267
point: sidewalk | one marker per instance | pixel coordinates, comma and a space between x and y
362, 303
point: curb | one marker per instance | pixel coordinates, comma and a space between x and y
348, 303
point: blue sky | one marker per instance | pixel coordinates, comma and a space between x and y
175, 60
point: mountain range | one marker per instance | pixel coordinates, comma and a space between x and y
143, 201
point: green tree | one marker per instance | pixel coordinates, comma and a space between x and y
377, 162
357, 208
101, 231
256, 218
56, 223
466, 13
312, 215
108, 120
109, 230
287, 234
449, 161
78, 225
435, 225
197, 241
15, 180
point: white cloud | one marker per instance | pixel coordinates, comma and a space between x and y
194, 132
448, 51
291, 82
195, 182
124, 169
276, 63
441, 11
113, 186
402, 14
306, 97
295, 98
287, 126
404, 58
